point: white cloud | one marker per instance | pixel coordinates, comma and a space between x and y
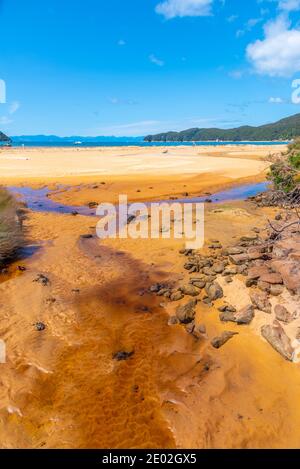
14, 106
232, 18
172, 8
275, 100
5, 120
289, 5
118, 101
146, 127
156, 61
236, 74
130, 129
240, 33
278, 54
250, 24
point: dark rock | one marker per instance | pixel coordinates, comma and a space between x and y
156, 287
86, 236
214, 291
202, 329
239, 259
186, 252
228, 308
186, 313
200, 284
230, 270
256, 272
40, 326
264, 286
242, 269
122, 355
276, 290
190, 327
189, 290
21, 268
219, 341
244, 316
250, 237
208, 271
218, 267
235, 250
176, 296
277, 337
250, 282
173, 320
261, 301
215, 246
162, 292
92, 204
290, 273
272, 278
207, 301
282, 314
42, 279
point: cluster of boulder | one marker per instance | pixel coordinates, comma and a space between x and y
269, 268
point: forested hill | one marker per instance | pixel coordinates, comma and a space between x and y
4, 138
285, 129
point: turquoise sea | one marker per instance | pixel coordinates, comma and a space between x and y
137, 144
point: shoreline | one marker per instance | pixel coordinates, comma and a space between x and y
144, 174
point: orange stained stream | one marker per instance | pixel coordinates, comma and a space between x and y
173, 392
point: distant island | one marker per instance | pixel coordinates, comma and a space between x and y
285, 129
4, 138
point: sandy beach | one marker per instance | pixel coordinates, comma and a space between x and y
61, 387
142, 173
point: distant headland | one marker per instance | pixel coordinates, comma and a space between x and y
284, 129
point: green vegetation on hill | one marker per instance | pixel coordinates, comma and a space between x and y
285, 129
4, 138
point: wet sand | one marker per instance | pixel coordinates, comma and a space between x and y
101, 174
61, 387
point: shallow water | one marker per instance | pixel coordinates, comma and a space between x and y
137, 143
173, 392
38, 200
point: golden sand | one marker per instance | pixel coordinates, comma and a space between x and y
62, 388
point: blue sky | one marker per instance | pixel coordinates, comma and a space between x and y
133, 67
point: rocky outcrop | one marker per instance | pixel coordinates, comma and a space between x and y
186, 313
219, 341
214, 291
244, 316
260, 300
190, 290
277, 337
283, 315
290, 273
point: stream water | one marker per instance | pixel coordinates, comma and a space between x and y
38, 200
